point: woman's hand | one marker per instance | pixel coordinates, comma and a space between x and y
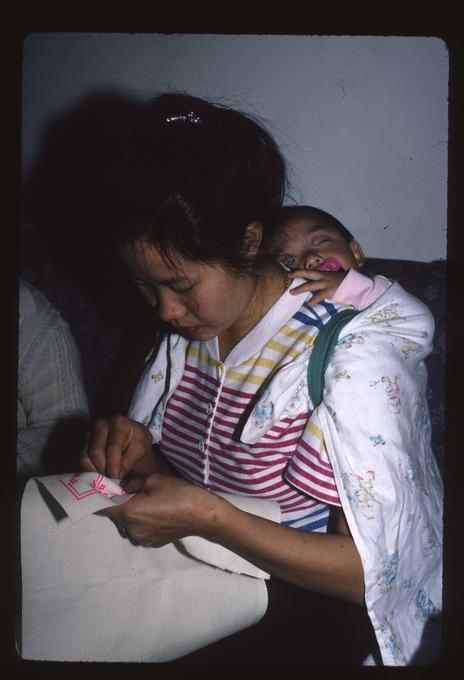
164, 509
167, 508
322, 284
118, 445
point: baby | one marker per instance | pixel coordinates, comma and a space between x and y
312, 244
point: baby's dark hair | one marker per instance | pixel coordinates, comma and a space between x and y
286, 214
197, 174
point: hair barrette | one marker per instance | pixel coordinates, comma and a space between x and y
190, 117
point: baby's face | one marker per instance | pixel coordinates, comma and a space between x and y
307, 244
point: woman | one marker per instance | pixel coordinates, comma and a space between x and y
225, 401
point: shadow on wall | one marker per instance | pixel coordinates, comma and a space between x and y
73, 196
76, 192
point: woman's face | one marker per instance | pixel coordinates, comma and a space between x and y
198, 300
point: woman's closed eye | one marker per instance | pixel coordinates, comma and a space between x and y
150, 289
185, 288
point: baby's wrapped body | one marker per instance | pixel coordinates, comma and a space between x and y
347, 452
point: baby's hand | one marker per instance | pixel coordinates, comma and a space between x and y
322, 284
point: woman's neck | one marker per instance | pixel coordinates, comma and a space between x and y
270, 283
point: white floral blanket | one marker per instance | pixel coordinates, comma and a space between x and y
376, 427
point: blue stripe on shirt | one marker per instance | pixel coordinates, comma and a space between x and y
332, 310
311, 318
315, 520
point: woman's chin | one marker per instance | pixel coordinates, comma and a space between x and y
196, 332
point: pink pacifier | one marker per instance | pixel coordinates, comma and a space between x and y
330, 265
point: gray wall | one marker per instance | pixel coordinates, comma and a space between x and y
361, 120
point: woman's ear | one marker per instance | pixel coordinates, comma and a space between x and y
253, 238
357, 253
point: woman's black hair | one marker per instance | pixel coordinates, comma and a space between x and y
197, 174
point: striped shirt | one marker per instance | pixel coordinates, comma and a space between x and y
243, 425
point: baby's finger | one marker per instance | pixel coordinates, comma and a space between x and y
308, 287
312, 274
317, 297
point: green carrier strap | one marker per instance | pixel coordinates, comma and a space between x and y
323, 349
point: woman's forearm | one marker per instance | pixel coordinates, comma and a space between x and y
325, 563
165, 507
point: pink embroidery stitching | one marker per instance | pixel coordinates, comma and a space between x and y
70, 486
97, 486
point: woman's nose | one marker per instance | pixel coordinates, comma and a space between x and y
169, 308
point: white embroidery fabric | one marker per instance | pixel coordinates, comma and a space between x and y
90, 595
